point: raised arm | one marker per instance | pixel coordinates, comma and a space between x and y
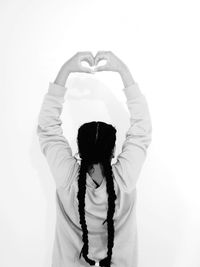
53, 143
138, 136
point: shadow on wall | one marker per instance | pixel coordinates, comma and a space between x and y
86, 99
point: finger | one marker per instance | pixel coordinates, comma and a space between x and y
101, 52
87, 54
99, 56
88, 58
84, 53
87, 70
100, 68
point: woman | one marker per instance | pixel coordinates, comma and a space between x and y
94, 192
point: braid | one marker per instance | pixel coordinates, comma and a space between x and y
110, 213
81, 208
108, 174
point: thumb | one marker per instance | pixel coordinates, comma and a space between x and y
100, 68
88, 70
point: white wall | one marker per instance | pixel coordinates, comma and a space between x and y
159, 42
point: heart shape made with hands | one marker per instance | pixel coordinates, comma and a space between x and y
87, 65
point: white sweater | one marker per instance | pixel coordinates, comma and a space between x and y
64, 168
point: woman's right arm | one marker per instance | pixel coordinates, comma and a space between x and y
139, 134
126, 76
137, 140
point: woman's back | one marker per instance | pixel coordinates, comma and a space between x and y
103, 217
68, 234
126, 170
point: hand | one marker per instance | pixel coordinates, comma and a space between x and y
74, 63
113, 63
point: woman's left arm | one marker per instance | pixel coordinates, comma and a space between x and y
53, 143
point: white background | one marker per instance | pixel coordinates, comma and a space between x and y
159, 42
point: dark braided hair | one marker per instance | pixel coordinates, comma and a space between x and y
96, 141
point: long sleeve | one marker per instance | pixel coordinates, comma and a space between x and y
53, 144
138, 138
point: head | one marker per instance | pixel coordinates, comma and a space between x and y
96, 144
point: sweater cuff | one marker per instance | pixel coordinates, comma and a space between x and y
56, 89
132, 91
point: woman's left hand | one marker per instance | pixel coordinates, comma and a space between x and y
74, 65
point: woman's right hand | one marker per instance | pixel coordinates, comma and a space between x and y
113, 63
